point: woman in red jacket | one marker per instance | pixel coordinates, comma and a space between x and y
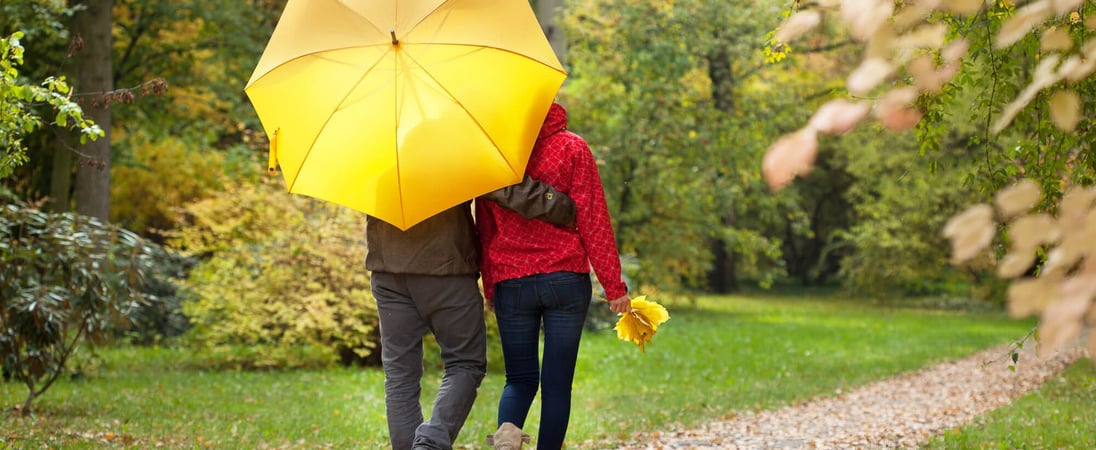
536, 275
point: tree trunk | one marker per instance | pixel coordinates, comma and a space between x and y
60, 180
546, 13
94, 78
27, 404
723, 276
723, 79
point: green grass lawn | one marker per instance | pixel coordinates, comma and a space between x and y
714, 357
1060, 415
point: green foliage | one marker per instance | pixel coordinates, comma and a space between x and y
900, 207
161, 320
1031, 146
203, 50
279, 272
659, 92
66, 279
18, 101
173, 148
960, 122
35, 18
177, 146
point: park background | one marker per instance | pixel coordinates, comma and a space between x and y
151, 250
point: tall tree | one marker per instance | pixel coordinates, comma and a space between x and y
676, 99
175, 147
203, 50
680, 99
94, 80
23, 100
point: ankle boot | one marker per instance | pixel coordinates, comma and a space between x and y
508, 437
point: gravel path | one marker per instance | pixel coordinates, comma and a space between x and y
900, 412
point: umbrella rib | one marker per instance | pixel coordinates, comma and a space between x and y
362, 18
329, 116
296, 58
427, 15
489, 47
458, 102
396, 138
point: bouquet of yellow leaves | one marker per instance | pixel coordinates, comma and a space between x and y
642, 322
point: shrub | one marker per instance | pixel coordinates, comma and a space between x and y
65, 279
163, 319
148, 186
279, 273
157, 174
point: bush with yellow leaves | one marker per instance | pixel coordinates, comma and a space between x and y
282, 282
149, 185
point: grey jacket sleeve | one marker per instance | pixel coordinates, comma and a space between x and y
535, 200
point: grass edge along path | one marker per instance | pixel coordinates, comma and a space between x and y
1059, 415
719, 354
905, 411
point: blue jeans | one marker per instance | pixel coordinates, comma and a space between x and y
557, 301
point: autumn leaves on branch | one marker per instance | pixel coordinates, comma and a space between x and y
906, 56
1050, 259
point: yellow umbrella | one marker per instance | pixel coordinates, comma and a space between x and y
403, 108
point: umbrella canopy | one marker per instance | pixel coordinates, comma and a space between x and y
403, 108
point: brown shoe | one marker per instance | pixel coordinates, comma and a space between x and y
508, 437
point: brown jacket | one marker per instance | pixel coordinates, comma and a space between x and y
446, 243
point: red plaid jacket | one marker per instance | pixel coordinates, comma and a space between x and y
515, 247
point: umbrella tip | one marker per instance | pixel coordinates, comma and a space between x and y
394, 40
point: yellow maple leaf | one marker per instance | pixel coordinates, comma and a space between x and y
642, 322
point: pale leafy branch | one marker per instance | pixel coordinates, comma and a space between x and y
1062, 287
907, 56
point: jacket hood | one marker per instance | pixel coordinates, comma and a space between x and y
555, 122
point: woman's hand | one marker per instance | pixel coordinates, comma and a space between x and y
621, 305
